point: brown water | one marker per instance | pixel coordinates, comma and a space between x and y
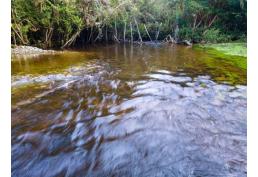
122, 110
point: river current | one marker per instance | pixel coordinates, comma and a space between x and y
128, 110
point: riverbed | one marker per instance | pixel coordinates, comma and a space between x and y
129, 110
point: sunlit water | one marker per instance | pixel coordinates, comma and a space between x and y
122, 110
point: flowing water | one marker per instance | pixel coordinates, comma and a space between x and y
122, 110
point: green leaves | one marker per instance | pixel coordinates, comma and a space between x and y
213, 21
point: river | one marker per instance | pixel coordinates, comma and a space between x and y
129, 110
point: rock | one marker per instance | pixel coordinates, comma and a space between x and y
235, 95
29, 50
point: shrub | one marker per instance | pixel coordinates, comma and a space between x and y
214, 35
190, 34
211, 35
185, 33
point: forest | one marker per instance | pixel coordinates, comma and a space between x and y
69, 23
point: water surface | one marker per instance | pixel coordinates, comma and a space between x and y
122, 110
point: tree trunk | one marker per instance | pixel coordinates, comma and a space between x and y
195, 20
71, 40
17, 30
176, 32
48, 36
106, 35
14, 39
19, 34
147, 32
212, 21
90, 35
115, 39
115, 30
157, 34
124, 31
131, 27
139, 34
99, 36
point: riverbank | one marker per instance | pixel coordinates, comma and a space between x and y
236, 49
232, 53
29, 50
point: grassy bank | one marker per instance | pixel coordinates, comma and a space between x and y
236, 49
232, 53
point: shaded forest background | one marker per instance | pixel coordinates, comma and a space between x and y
66, 23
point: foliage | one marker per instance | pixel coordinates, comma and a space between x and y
56, 23
214, 35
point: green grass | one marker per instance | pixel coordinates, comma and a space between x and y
236, 49
233, 53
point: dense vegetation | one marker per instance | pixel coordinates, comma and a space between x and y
63, 23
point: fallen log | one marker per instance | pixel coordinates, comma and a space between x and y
71, 40
186, 42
